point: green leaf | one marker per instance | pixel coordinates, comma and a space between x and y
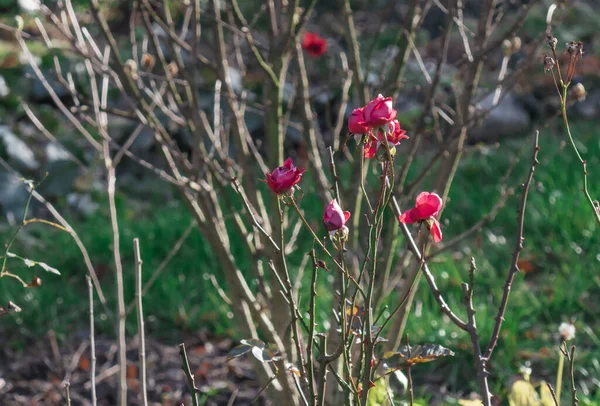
378, 395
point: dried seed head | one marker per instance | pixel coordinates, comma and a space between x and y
148, 61
566, 331
512, 46
173, 69
35, 282
548, 63
551, 41
516, 43
506, 47
131, 68
578, 92
574, 48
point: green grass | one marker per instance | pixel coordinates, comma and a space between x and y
561, 242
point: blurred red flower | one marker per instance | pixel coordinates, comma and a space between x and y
314, 44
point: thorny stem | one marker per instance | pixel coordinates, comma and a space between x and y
409, 376
311, 329
374, 233
290, 296
472, 329
295, 204
322, 370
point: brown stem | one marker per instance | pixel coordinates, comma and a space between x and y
514, 268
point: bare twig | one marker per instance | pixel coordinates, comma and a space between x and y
514, 268
165, 262
553, 394
92, 342
140, 317
482, 373
111, 180
189, 375
67, 386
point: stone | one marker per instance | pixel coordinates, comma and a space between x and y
18, 152
13, 195
508, 118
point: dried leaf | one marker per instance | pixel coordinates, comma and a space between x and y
270, 354
525, 265
418, 354
131, 371
84, 363
238, 351
262, 352
467, 402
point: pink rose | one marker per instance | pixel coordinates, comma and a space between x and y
396, 133
427, 206
356, 122
379, 111
285, 177
371, 147
334, 217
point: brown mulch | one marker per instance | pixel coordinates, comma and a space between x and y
36, 375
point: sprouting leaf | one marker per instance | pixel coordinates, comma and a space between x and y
48, 268
418, 355
29, 263
378, 395
522, 393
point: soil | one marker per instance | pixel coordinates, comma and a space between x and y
36, 376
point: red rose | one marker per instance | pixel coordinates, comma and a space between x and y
314, 44
285, 177
379, 111
334, 217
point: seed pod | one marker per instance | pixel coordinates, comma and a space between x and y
131, 69
578, 92
173, 69
148, 61
548, 63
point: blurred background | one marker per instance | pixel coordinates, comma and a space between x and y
560, 281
